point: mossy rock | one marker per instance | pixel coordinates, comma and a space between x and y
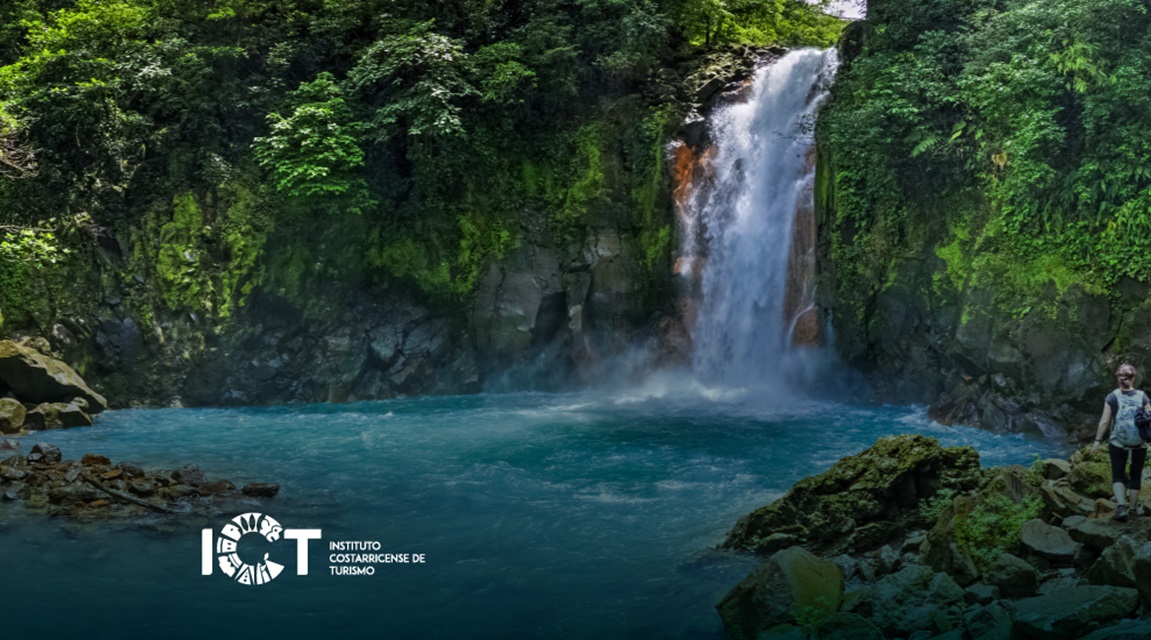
1092, 478
862, 501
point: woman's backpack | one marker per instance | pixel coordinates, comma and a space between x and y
1143, 424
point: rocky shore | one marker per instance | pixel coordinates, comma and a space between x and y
916, 541
94, 487
39, 392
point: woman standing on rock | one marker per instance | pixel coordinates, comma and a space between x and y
1125, 443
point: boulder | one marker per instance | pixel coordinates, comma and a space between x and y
1072, 612
1091, 476
1142, 567
980, 593
1046, 541
1054, 469
912, 599
43, 453
847, 626
58, 415
940, 550
1061, 500
1125, 630
864, 500
191, 475
989, 622
261, 489
1095, 533
11, 415
93, 459
1014, 577
1116, 566
37, 378
790, 583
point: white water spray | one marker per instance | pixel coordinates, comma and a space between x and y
742, 332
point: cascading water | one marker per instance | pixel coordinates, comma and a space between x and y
762, 176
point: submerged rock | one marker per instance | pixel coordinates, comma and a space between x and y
887, 482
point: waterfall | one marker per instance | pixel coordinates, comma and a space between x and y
741, 224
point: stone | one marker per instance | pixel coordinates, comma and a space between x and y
1061, 500
261, 489
73, 493
791, 582
1142, 567
1124, 630
191, 475
130, 469
864, 500
980, 593
11, 415
217, 488
940, 551
954, 634
17, 491
1091, 478
1047, 541
111, 474
71, 474
44, 453
847, 626
1115, 566
1095, 533
142, 488
1013, 576
912, 599
988, 622
58, 415
783, 632
37, 378
1072, 612
93, 459
1054, 469
9, 444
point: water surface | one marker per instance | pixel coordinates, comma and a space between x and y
541, 515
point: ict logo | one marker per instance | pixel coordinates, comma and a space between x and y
223, 550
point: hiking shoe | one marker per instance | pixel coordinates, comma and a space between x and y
1120, 513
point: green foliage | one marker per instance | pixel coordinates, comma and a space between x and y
992, 527
313, 153
1008, 135
26, 256
931, 508
202, 138
416, 82
714, 22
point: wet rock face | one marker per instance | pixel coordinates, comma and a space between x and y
887, 482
